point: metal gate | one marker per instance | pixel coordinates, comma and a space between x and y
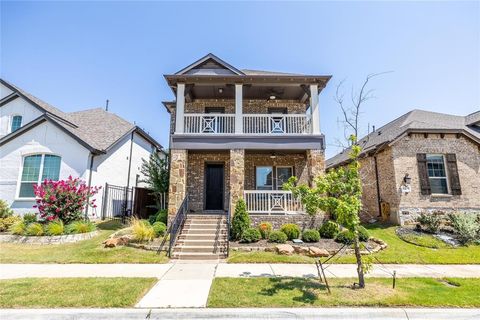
117, 202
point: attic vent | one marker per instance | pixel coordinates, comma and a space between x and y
379, 132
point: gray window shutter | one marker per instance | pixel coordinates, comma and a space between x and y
452, 172
423, 174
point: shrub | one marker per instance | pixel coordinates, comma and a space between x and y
80, 227
159, 228
329, 230
160, 216
18, 227
429, 222
54, 228
251, 235
265, 229
6, 223
142, 230
363, 234
34, 229
291, 230
466, 226
5, 210
29, 218
345, 237
278, 237
311, 235
64, 199
240, 221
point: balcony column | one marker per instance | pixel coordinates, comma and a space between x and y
315, 109
180, 108
238, 108
237, 177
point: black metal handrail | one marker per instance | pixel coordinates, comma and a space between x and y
177, 224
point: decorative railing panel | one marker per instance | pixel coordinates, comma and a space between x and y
272, 202
276, 124
209, 123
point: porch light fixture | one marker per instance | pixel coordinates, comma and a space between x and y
273, 156
220, 90
272, 97
407, 179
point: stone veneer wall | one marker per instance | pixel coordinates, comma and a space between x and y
178, 180
196, 176
296, 160
468, 164
237, 176
315, 164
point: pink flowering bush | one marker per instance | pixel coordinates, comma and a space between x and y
65, 199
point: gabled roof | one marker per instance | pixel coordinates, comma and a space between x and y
473, 119
414, 121
96, 129
207, 63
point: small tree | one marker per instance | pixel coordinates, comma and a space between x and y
64, 199
339, 191
155, 171
240, 221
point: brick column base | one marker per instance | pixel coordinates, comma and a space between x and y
237, 176
315, 164
178, 181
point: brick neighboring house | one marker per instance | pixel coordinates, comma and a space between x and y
420, 162
241, 134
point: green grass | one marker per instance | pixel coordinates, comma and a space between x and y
87, 251
425, 240
301, 292
398, 251
73, 292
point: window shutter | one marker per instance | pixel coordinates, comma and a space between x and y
423, 174
453, 174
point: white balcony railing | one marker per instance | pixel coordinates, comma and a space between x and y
209, 123
272, 202
276, 124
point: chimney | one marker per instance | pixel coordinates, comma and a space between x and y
373, 128
106, 105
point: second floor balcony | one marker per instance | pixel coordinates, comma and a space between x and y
257, 124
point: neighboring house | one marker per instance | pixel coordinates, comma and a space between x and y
39, 141
241, 134
420, 162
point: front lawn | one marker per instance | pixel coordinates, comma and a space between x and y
398, 251
73, 292
86, 251
301, 292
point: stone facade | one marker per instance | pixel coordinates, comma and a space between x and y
237, 176
178, 180
304, 221
197, 161
315, 163
400, 158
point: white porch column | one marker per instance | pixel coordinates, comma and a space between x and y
238, 108
180, 108
315, 109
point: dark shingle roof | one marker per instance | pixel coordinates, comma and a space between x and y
250, 72
415, 120
97, 128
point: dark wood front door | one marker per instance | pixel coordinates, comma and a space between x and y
214, 187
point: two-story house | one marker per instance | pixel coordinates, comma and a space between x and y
241, 134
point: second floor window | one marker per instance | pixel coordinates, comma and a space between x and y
16, 123
37, 168
437, 174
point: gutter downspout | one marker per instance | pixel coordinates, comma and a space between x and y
89, 181
378, 187
128, 175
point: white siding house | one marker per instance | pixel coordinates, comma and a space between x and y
39, 141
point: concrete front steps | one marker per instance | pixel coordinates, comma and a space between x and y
203, 237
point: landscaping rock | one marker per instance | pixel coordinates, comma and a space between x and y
114, 242
317, 252
300, 249
285, 249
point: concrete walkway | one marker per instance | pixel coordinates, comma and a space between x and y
244, 313
187, 285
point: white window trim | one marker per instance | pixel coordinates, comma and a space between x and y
256, 178
447, 178
39, 179
276, 175
10, 122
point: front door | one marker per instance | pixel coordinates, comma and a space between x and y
214, 187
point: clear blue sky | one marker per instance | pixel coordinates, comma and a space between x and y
77, 55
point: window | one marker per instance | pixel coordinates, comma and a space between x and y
264, 178
48, 165
16, 123
437, 174
283, 174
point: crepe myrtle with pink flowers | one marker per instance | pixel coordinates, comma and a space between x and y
64, 199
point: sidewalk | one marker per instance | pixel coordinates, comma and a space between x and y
187, 285
245, 313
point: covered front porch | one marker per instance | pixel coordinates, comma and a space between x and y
215, 180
